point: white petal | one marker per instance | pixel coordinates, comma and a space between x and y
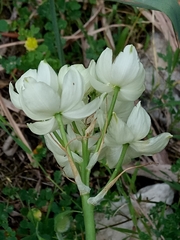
101, 87
53, 144
128, 93
139, 122
62, 160
15, 99
68, 171
74, 141
93, 160
93, 139
123, 109
31, 73
92, 69
101, 117
152, 145
118, 133
42, 128
47, 75
79, 67
71, 133
104, 65
113, 155
133, 90
85, 74
86, 110
73, 90
125, 67
39, 101
95, 82
62, 72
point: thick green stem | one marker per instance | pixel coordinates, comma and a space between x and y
109, 116
88, 211
57, 32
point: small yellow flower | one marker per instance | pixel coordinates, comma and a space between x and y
31, 44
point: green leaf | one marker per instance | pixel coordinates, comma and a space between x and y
4, 27
169, 7
121, 42
57, 176
62, 24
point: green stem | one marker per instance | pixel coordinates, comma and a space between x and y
119, 164
109, 116
63, 133
88, 211
75, 128
57, 33
58, 138
85, 154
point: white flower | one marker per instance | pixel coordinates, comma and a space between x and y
40, 94
75, 144
136, 128
59, 153
121, 108
81, 69
125, 71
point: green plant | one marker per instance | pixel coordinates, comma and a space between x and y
56, 212
168, 99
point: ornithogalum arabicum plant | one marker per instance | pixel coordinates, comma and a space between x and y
68, 107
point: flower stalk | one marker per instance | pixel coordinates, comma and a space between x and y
85, 154
109, 116
88, 213
118, 167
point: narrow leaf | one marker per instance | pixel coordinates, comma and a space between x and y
17, 140
169, 7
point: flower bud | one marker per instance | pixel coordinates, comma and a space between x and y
34, 214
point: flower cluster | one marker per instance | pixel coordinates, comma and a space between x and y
41, 94
87, 114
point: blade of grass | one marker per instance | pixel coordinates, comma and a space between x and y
57, 33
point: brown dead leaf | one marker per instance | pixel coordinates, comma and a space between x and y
163, 24
9, 105
3, 83
9, 147
156, 171
14, 125
107, 32
91, 27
